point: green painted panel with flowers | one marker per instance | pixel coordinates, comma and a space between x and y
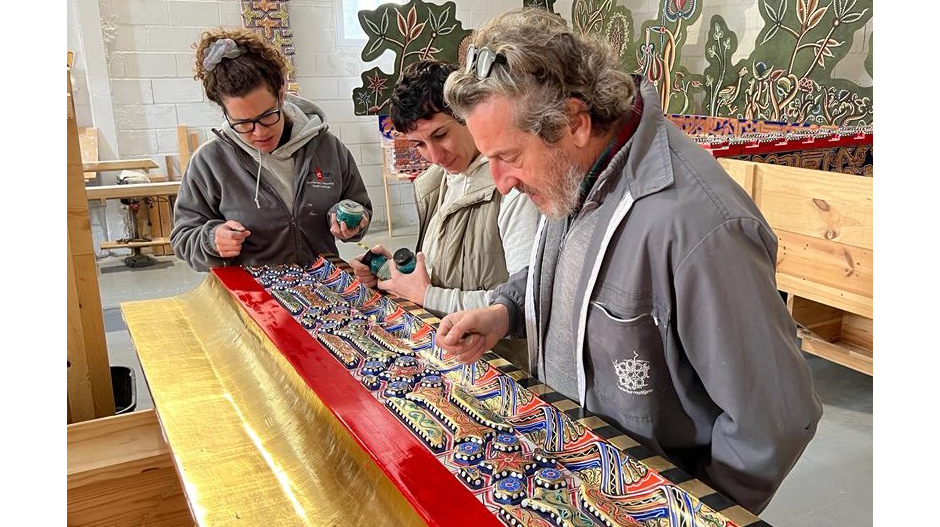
413, 31
788, 77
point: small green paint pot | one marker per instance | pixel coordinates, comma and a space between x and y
349, 212
405, 260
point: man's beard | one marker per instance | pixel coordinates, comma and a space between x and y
561, 190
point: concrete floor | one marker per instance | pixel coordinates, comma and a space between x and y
831, 485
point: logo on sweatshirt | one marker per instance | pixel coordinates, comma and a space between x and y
633, 375
320, 178
321, 175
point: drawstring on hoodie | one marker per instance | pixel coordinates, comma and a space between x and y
258, 177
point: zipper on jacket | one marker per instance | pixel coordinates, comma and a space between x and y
294, 234
241, 155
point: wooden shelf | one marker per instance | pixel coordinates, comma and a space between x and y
156, 242
121, 164
839, 351
167, 188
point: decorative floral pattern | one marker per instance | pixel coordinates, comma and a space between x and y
788, 76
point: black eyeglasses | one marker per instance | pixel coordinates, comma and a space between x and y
248, 125
483, 59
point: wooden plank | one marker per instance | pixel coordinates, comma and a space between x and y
165, 224
186, 150
81, 404
166, 188
840, 352
388, 204
845, 300
385, 176
84, 275
742, 172
824, 205
156, 226
120, 472
88, 139
119, 164
826, 262
93, 455
170, 171
151, 498
130, 245
823, 320
859, 331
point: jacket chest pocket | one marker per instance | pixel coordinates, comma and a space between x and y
625, 361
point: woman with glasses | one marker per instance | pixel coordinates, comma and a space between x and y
471, 237
265, 188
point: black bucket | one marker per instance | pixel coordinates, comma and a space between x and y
124, 384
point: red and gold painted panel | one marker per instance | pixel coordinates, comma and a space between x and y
525, 453
846, 149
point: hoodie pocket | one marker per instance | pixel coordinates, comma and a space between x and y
625, 364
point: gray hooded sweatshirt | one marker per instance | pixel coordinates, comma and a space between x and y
222, 182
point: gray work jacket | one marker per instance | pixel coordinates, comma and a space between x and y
683, 339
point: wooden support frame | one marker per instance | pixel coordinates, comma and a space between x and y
188, 143
120, 472
388, 171
840, 336
825, 257
88, 139
90, 394
161, 219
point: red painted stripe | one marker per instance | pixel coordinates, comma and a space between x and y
722, 148
437, 495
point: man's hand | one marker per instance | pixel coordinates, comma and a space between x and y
342, 232
467, 335
229, 237
411, 286
363, 272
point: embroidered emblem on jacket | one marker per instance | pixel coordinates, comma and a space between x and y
321, 179
632, 375
321, 175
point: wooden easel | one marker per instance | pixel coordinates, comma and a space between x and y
90, 393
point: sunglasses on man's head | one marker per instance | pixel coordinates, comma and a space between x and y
482, 60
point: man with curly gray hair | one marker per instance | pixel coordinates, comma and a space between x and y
651, 295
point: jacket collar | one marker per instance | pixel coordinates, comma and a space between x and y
649, 168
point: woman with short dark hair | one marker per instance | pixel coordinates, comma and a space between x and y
471, 237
